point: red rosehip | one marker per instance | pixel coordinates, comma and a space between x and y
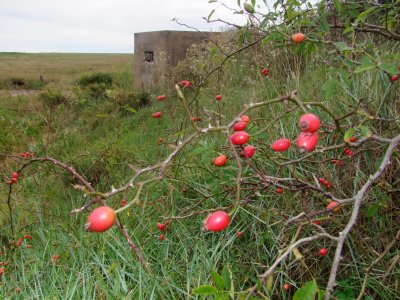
322, 252
220, 161
298, 38
279, 190
286, 287
245, 118
28, 236
101, 219
265, 72
161, 226
123, 202
306, 141
216, 221
161, 98
196, 119
13, 180
322, 180
185, 83
239, 138
281, 145
394, 78
240, 126
309, 122
317, 222
353, 139
239, 234
19, 242
248, 151
14, 175
156, 115
218, 97
162, 237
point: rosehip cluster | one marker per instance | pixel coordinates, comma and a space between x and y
14, 178
347, 152
324, 182
26, 155
308, 138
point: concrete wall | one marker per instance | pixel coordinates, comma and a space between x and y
168, 48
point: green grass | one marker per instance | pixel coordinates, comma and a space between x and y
100, 137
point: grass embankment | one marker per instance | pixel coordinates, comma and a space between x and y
96, 130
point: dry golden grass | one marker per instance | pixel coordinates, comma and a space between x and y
61, 69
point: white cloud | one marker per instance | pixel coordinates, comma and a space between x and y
96, 25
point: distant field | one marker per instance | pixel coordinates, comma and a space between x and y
61, 69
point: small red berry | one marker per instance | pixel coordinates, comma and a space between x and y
306, 141
28, 236
317, 222
322, 180
218, 97
353, 139
161, 98
13, 180
240, 126
55, 257
245, 118
279, 190
160, 140
196, 119
217, 221
281, 145
309, 122
322, 252
19, 242
265, 72
239, 138
248, 151
286, 287
162, 237
239, 234
220, 161
394, 78
22, 155
161, 226
123, 202
14, 175
17, 289
156, 115
185, 83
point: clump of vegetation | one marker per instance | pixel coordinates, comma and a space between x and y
53, 98
104, 79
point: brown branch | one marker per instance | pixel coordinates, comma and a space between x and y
358, 199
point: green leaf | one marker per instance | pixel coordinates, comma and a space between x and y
330, 86
342, 46
362, 16
253, 2
217, 279
349, 63
373, 210
102, 115
324, 26
365, 132
227, 277
337, 5
349, 133
389, 68
307, 291
212, 1
321, 295
365, 66
205, 290
130, 109
238, 3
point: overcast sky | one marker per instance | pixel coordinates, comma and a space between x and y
96, 25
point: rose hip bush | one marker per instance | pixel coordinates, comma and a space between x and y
309, 204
